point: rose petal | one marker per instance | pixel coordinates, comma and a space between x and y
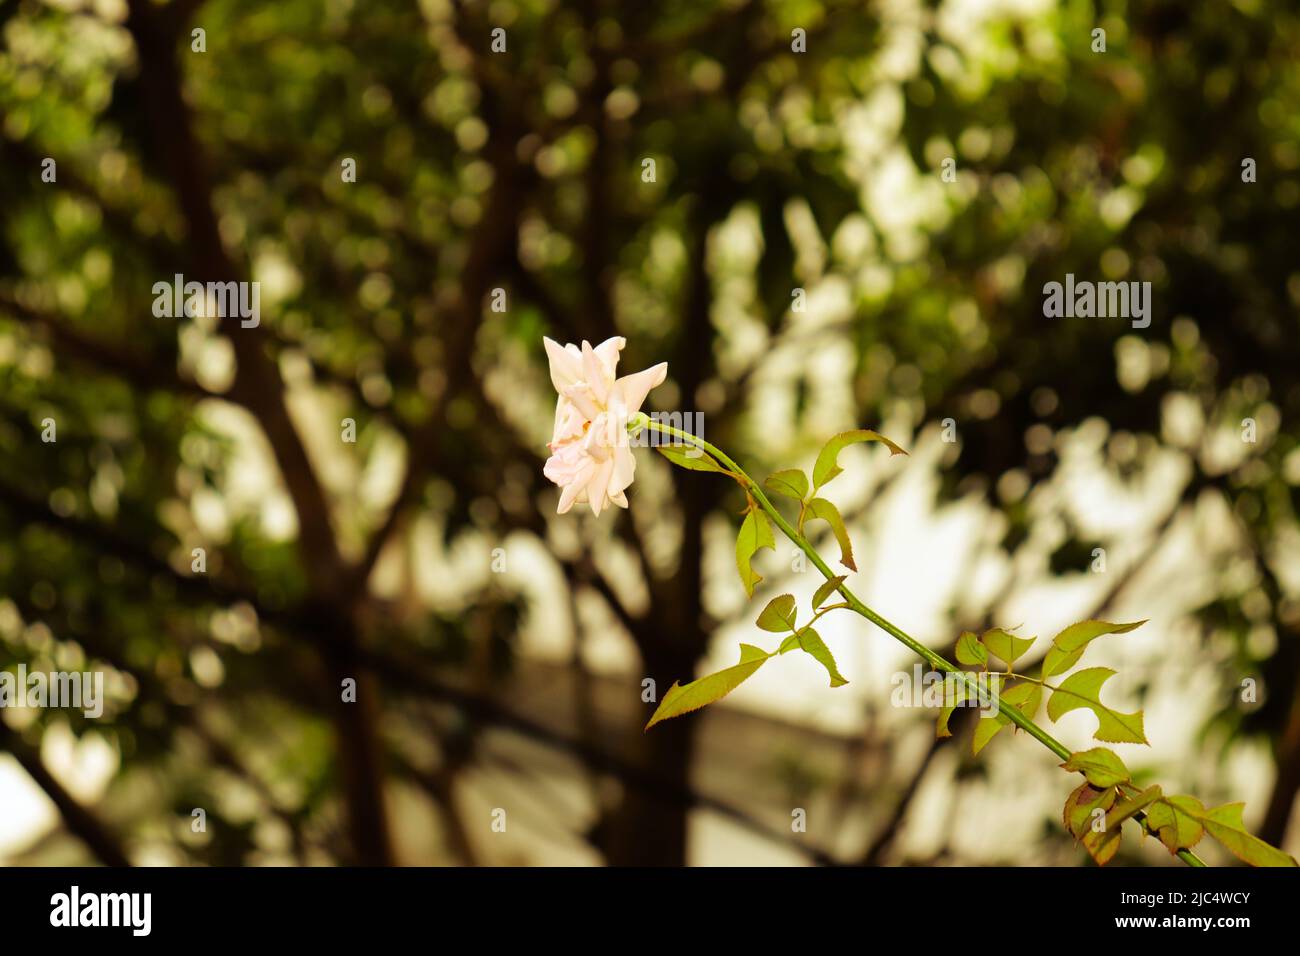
598, 484
632, 389
624, 470
607, 351
566, 365
582, 398
573, 491
597, 377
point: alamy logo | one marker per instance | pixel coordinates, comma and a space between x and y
78, 691
616, 430
1102, 300
222, 300
690, 422
134, 910
922, 688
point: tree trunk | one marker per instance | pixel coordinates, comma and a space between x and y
649, 828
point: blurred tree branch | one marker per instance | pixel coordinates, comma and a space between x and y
80, 821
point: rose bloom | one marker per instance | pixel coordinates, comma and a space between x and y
591, 458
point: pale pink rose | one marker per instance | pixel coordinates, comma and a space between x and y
591, 459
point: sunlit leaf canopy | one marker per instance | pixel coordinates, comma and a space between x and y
799, 260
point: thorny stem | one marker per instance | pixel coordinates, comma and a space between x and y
932, 658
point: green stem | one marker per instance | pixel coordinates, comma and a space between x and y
825, 610
934, 659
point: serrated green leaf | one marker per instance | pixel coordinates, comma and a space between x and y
1175, 821
1025, 697
985, 730
823, 509
1068, 646
684, 698
970, 651
1225, 825
812, 642
1083, 689
827, 466
1131, 805
755, 533
697, 460
1100, 766
1006, 647
945, 712
1080, 804
1105, 844
790, 482
779, 615
828, 588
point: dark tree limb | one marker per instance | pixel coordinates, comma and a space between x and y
80, 821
